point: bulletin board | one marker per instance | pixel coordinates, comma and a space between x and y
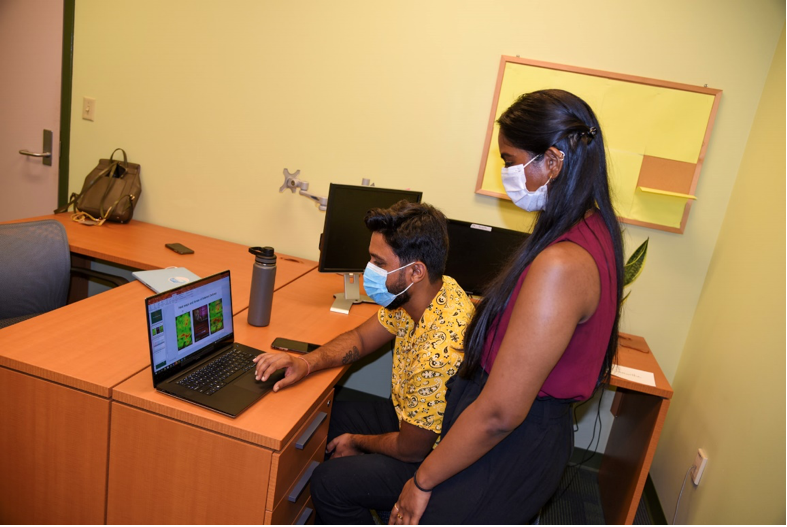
656, 134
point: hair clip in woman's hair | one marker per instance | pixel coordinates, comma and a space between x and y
592, 131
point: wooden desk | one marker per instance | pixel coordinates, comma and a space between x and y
140, 245
174, 462
639, 412
57, 372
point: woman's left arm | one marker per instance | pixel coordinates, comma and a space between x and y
561, 290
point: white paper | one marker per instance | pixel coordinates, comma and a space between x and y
630, 374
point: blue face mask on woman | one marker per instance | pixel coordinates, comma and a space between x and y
374, 280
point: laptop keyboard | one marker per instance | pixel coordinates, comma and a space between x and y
218, 373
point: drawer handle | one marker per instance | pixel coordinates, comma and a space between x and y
309, 432
304, 517
296, 491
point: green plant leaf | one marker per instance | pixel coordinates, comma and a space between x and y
635, 264
623, 300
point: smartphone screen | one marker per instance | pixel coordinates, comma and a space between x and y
293, 345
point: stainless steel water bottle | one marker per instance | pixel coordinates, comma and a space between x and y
261, 298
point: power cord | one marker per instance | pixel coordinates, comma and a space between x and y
575, 421
675, 516
588, 457
596, 422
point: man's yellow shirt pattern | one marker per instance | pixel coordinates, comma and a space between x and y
427, 354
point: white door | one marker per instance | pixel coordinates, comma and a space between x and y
31, 41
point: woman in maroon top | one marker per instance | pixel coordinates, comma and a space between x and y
543, 337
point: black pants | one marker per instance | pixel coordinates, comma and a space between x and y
508, 485
511, 482
345, 489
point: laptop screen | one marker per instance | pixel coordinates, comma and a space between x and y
188, 323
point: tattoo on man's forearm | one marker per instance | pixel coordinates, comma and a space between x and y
351, 356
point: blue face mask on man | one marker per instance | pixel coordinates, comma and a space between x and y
374, 280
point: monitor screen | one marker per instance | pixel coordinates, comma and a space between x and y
344, 245
476, 253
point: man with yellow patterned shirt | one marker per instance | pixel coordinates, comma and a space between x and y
426, 314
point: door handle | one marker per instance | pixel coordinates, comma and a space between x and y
46, 155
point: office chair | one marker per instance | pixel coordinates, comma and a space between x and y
35, 270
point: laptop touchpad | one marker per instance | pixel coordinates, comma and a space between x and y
248, 382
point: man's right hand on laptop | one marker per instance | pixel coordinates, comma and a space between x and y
295, 368
340, 351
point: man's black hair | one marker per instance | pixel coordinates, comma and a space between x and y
415, 232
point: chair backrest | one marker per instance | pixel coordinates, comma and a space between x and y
35, 264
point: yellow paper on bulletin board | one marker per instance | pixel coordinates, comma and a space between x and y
640, 118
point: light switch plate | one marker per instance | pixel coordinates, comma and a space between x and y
88, 108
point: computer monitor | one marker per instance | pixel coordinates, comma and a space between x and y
476, 253
344, 244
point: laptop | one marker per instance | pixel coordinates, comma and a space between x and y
160, 280
193, 353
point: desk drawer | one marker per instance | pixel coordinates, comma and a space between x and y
308, 444
298, 495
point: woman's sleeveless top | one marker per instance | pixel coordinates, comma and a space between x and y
575, 375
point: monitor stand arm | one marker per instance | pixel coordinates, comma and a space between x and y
351, 295
292, 182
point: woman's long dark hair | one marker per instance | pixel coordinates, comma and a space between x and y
534, 123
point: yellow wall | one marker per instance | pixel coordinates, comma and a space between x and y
730, 385
216, 98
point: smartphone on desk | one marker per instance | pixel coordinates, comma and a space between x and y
178, 248
293, 345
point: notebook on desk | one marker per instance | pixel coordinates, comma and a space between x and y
160, 280
193, 353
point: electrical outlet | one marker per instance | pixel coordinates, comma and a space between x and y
88, 108
699, 466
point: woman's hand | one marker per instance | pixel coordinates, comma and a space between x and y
410, 506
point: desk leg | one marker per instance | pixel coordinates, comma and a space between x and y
632, 443
79, 284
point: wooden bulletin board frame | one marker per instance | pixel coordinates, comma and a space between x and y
656, 134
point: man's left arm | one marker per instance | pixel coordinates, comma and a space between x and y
410, 444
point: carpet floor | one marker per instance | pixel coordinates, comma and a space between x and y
578, 502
